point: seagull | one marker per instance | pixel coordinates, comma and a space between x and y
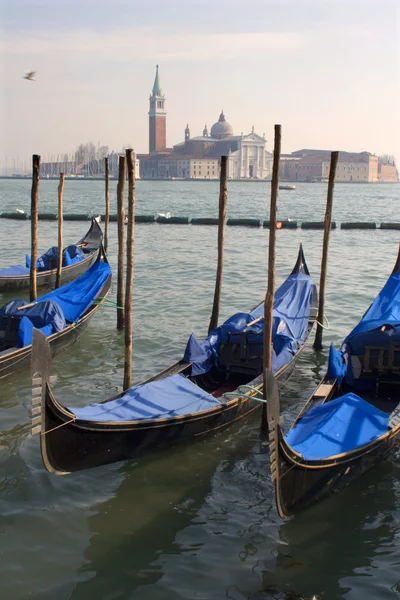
29, 76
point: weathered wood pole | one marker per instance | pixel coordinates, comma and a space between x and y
130, 238
60, 230
269, 298
121, 248
34, 224
223, 196
325, 248
107, 192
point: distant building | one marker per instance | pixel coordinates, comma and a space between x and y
353, 167
199, 157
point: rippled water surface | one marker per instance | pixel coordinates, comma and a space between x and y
194, 521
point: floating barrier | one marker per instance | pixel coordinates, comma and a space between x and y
14, 215
282, 224
390, 226
245, 222
316, 225
204, 221
144, 218
174, 220
358, 225
47, 217
76, 217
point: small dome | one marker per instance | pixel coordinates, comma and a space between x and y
221, 129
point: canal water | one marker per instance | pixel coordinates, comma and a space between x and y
195, 521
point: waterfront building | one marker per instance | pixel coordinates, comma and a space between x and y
199, 157
352, 167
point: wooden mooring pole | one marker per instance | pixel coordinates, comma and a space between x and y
107, 194
60, 230
121, 247
269, 298
325, 248
223, 196
34, 224
130, 238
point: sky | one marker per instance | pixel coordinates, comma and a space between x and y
328, 71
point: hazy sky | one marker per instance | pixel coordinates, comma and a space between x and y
328, 71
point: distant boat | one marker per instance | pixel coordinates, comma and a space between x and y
287, 187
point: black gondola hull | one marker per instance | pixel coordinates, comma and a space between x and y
69, 446
301, 484
20, 359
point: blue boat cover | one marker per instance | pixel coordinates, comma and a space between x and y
169, 397
76, 297
52, 311
292, 306
337, 426
336, 364
72, 254
385, 310
13, 271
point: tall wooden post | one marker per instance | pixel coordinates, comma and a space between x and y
34, 223
107, 192
130, 238
269, 298
223, 196
325, 248
121, 248
60, 230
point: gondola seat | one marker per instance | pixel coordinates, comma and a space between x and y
337, 426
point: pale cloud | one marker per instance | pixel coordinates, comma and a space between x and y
147, 44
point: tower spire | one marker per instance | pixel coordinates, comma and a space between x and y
157, 117
157, 91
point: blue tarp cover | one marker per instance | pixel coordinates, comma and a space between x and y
337, 426
168, 397
336, 364
385, 309
76, 297
13, 271
46, 262
67, 303
292, 305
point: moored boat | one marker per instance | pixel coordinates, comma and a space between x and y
62, 315
352, 420
216, 383
287, 187
77, 258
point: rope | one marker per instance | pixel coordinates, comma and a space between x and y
236, 395
327, 327
58, 426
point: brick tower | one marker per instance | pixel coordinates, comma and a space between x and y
157, 118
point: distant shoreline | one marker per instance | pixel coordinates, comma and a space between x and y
176, 179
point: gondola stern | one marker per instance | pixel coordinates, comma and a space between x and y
301, 264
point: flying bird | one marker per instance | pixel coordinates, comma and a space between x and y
30, 76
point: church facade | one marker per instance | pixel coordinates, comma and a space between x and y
199, 157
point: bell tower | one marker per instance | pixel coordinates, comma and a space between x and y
157, 117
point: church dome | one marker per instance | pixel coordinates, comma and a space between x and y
221, 129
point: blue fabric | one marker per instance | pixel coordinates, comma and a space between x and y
44, 315
169, 397
337, 426
53, 310
336, 364
12, 271
25, 330
292, 306
385, 309
72, 254
76, 297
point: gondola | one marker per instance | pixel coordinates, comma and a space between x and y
352, 419
62, 315
216, 383
76, 259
